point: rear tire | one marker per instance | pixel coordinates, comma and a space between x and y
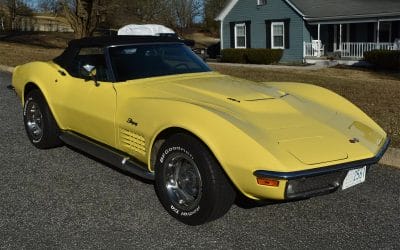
190, 183
40, 125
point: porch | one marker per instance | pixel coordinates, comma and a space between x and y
349, 41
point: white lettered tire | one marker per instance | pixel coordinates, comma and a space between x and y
190, 183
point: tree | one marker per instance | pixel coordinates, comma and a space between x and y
147, 10
15, 9
83, 15
211, 9
50, 6
122, 12
2, 18
176, 14
181, 14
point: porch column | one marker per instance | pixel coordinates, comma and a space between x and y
319, 32
378, 31
340, 37
221, 34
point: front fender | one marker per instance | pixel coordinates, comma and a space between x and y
43, 75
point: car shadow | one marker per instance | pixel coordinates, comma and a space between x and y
247, 203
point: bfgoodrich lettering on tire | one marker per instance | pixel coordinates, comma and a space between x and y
39, 123
189, 181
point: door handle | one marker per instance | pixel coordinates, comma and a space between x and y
62, 72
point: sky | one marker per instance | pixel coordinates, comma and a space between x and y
31, 3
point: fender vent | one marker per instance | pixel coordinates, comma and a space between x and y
132, 141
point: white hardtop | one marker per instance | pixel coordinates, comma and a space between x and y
144, 30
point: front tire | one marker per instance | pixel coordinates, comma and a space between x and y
40, 126
190, 183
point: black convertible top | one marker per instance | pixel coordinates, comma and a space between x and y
105, 41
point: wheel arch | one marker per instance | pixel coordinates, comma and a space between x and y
162, 136
28, 88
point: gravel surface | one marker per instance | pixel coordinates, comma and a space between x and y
60, 198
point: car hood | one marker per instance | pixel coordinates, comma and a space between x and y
247, 101
220, 88
276, 120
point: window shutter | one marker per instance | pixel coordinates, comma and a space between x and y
232, 33
268, 34
248, 34
287, 33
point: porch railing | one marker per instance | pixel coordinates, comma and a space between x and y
357, 50
350, 50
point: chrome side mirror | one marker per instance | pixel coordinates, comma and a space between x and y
89, 71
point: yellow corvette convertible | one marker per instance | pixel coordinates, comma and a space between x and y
151, 107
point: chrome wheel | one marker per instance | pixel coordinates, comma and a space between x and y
34, 120
182, 181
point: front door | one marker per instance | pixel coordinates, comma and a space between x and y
86, 107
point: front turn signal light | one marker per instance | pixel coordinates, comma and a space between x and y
267, 182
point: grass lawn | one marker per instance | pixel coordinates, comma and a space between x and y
377, 93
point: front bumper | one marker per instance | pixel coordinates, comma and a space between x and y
313, 182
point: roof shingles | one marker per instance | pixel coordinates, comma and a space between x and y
320, 9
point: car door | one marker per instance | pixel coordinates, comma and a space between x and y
87, 105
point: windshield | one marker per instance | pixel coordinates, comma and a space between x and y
141, 61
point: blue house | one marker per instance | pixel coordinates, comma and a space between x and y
312, 29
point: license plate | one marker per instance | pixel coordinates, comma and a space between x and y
354, 177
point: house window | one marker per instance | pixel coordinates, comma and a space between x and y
278, 35
240, 36
261, 2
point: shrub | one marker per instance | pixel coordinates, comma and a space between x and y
252, 56
233, 55
383, 59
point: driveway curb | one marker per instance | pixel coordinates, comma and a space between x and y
6, 68
391, 157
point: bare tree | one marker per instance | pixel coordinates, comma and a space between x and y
15, 9
147, 10
211, 9
50, 6
181, 14
3, 16
176, 14
122, 12
83, 15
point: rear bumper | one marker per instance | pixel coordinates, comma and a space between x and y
308, 183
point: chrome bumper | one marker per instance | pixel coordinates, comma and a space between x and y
313, 182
